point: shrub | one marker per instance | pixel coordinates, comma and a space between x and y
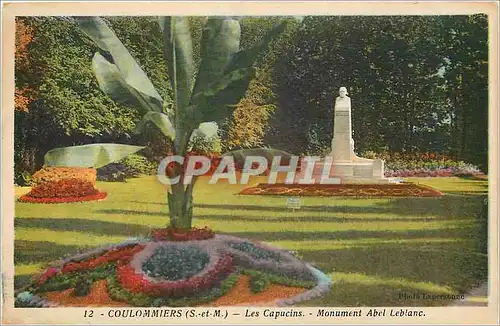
52, 174
138, 164
130, 167
205, 145
258, 282
113, 172
23, 179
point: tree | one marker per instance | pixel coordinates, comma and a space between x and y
24, 94
221, 81
390, 66
465, 57
418, 83
54, 57
250, 119
68, 107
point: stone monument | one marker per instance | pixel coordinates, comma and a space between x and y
345, 165
342, 142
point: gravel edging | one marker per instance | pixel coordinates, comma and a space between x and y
324, 285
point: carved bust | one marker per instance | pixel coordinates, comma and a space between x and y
343, 102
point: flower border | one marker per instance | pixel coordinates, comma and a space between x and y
124, 253
290, 266
405, 189
59, 200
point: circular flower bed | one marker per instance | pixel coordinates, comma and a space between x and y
221, 270
63, 191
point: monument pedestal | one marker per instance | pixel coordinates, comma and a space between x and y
346, 166
363, 172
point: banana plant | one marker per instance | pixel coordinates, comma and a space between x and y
200, 97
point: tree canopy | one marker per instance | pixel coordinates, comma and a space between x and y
418, 83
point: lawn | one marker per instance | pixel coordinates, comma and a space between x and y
373, 249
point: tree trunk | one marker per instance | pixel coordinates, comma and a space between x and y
180, 206
180, 199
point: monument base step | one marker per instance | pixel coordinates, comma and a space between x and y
362, 171
366, 181
348, 180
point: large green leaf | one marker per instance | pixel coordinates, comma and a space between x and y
220, 40
134, 76
222, 83
111, 82
246, 58
160, 120
206, 130
216, 101
179, 57
92, 155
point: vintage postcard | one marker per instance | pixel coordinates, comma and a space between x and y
250, 162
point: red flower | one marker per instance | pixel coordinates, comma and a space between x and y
181, 234
48, 273
121, 255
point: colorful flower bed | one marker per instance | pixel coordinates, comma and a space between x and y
347, 190
148, 272
63, 191
423, 165
54, 173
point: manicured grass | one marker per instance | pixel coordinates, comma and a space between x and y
374, 249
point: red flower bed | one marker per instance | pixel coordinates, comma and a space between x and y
64, 188
63, 191
119, 254
355, 190
182, 235
137, 283
29, 199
